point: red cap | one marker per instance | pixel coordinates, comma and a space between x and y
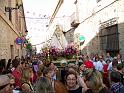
88, 64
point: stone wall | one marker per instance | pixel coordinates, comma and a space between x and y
100, 13
7, 39
9, 32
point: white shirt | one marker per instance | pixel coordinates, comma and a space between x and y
110, 67
98, 66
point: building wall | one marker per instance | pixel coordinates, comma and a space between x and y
95, 14
63, 13
8, 37
121, 27
9, 32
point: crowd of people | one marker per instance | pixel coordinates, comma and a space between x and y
96, 74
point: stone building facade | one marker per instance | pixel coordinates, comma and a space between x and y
102, 24
12, 26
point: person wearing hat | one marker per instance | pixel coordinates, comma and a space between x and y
88, 64
4, 81
7, 83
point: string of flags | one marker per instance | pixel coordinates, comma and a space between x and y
39, 16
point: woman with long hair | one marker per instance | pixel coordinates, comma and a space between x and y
26, 84
94, 81
45, 84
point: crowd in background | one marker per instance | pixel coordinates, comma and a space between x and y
96, 74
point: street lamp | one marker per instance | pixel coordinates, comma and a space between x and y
9, 9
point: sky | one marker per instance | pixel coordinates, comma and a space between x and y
37, 15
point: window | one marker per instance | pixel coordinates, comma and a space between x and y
109, 39
17, 52
12, 51
112, 38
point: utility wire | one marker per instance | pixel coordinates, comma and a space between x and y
98, 11
43, 17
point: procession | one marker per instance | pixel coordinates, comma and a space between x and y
61, 46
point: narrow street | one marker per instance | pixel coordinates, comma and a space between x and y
76, 44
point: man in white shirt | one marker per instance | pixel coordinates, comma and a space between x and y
99, 64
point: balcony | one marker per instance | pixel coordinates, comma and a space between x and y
74, 20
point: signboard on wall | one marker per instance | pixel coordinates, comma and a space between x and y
82, 39
19, 41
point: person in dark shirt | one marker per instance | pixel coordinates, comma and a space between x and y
72, 85
2, 66
116, 86
120, 68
